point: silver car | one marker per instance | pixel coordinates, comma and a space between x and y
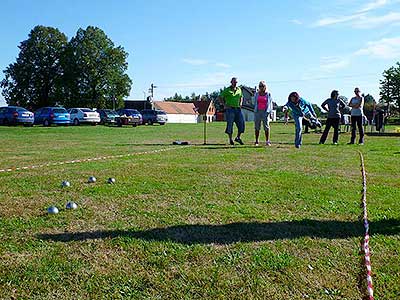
84, 115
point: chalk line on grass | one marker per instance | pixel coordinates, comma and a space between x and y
90, 159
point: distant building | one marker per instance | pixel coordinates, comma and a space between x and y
178, 112
248, 105
205, 108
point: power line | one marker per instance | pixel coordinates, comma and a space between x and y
205, 85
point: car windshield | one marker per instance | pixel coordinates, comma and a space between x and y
111, 113
86, 110
60, 110
160, 112
131, 112
20, 109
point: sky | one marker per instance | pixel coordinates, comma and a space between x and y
186, 46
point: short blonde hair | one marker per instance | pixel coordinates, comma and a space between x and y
262, 83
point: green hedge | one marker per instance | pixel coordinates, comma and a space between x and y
393, 121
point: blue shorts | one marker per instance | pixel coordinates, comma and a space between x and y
234, 115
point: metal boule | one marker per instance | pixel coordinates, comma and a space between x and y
52, 210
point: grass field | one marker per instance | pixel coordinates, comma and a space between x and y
195, 222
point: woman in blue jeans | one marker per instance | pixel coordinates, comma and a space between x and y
300, 108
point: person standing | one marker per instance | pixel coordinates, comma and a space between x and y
262, 109
357, 104
333, 106
300, 108
232, 99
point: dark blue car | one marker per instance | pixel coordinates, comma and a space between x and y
52, 115
130, 116
14, 115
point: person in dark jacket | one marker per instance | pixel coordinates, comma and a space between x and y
333, 106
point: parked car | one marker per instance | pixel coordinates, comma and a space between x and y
52, 115
108, 116
84, 115
14, 115
151, 116
130, 116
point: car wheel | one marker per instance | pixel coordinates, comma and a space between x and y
134, 124
5, 122
94, 124
162, 123
46, 123
150, 122
76, 122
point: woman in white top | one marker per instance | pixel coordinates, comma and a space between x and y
357, 104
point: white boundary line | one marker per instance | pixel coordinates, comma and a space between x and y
76, 161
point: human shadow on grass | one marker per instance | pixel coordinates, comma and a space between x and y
239, 232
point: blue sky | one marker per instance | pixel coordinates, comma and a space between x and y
186, 46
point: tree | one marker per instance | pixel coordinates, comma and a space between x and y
390, 87
34, 80
175, 98
95, 70
318, 111
369, 106
347, 109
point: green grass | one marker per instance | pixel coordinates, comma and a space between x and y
199, 222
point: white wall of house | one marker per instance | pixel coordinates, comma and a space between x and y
210, 118
182, 118
272, 115
248, 115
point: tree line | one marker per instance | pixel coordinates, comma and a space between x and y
86, 71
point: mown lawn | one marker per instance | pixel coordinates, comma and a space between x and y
195, 222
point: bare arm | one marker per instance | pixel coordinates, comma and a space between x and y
355, 105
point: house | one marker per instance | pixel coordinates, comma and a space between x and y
248, 105
178, 112
205, 109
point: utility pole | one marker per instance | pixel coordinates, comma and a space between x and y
151, 90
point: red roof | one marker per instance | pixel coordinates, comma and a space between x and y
175, 107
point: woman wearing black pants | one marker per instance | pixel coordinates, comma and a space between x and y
357, 104
333, 105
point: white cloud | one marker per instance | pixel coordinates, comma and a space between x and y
363, 18
222, 65
202, 62
386, 48
195, 62
336, 20
375, 21
297, 22
373, 5
360, 20
334, 63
